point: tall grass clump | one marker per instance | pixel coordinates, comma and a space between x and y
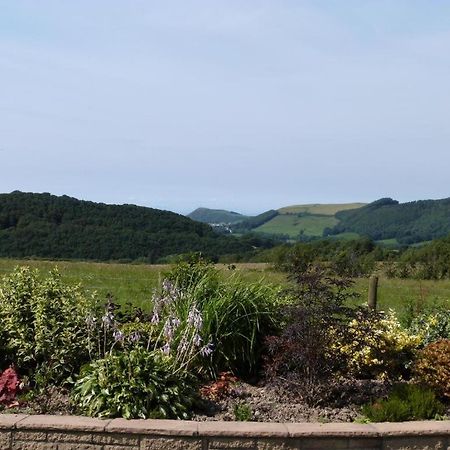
237, 315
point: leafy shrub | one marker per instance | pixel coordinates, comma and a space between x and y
406, 402
432, 326
376, 346
316, 318
432, 366
44, 324
134, 384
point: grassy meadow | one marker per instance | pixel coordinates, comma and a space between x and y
310, 220
134, 282
292, 225
320, 209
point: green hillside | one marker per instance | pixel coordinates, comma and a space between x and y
207, 215
387, 219
320, 209
293, 226
305, 221
47, 226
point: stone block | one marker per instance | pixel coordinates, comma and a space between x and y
415, 443
5, 439
29, 445
231, 443
120, 447
249, 430
158, 443
58, 423
79, 446
9, 421
320, 443
277, 444
56, 436
365, 444
117, 439
26, 435
160, 427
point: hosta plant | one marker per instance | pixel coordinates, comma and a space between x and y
135, 384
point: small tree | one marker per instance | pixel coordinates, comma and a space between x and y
316, 318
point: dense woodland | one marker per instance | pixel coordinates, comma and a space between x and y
409, 223
48, 226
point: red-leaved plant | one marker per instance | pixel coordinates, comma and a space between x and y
9, 387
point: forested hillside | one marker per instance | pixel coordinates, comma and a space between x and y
408, 223
207, 215
48, 226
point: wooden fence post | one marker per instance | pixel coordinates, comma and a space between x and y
373, 290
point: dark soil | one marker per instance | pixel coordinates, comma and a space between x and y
281, 403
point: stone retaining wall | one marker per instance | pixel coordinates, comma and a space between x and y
81, 433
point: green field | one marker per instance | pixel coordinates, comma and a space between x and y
293, 225
308, 220
134, 283
322, 209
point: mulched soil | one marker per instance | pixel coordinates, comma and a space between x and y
279, 402
275, 402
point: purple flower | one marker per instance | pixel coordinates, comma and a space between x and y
197, 340
207, 349
195, 318
118, 336
108, 319
182, 346
134, 337
166, 348
168, 330
155, 318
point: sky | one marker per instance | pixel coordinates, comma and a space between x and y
231, 104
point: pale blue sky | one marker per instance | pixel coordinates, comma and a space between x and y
242, 105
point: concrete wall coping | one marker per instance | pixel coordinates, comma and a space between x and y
172, 428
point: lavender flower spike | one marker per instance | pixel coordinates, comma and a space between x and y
118, 336
166, 348
207, 349
134, 337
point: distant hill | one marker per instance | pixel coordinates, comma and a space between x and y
252, 223
303, 221
207, 215
48, 226
387, 219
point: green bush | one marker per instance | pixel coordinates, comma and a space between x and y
432, 326
134, 384
44, 328
406, 402
432, 367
